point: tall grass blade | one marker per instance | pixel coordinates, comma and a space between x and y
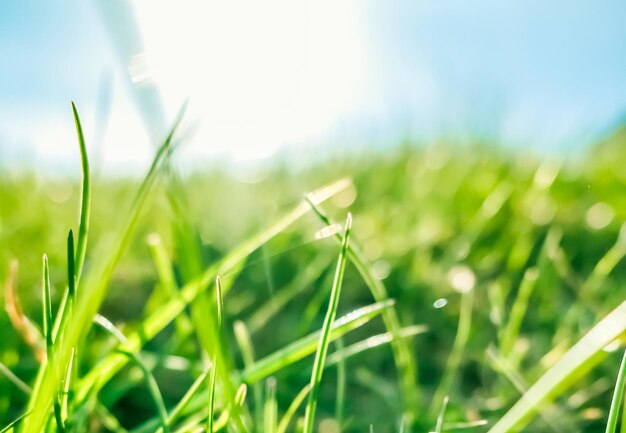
324, 338
518, 311
405, 360
270, 411
456, 355
47, 331
85, 198
214, 366
242, 336
618, 397
292, 409
576, 362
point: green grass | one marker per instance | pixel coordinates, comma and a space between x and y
478, 290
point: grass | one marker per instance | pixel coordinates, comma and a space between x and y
478, 290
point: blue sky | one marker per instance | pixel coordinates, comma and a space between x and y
272, 75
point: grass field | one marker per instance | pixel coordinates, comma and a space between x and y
483, 291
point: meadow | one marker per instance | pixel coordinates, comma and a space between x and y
473, 288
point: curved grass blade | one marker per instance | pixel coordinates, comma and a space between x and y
153, 387
372, 343
307, 345
85, 199
324, 338
583, 356
291, 410
405, 360
618, 397
160, 318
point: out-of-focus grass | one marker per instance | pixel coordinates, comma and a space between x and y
534, 244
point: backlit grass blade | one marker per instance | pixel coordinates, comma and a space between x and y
456, 354
214, 366
167, 281
372, 343
442, 414
307, 345
163, 316
618, 397
242, 336
518, 311
47, 332
11, 425
85, 198
340, 398
19, 383
292, 409
324, 338
405, 360
91, 295
583, 356
153, 387
270, 409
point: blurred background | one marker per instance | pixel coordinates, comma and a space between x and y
304, 78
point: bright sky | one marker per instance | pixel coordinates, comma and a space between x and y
264, 76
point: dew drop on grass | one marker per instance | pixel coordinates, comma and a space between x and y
440, 303
327, 231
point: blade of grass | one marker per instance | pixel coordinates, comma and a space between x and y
371, 343
91, 296
341, 383
160, 318
618, 397
9, 427
442, 415
214, 366
456, 354
270, 411
47, 331
85, 199
247, 353
324, 338
19, 383
167, 279
553, 416
307, 345
518, 310
291, 410
406, 363
576, 362
153, 387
